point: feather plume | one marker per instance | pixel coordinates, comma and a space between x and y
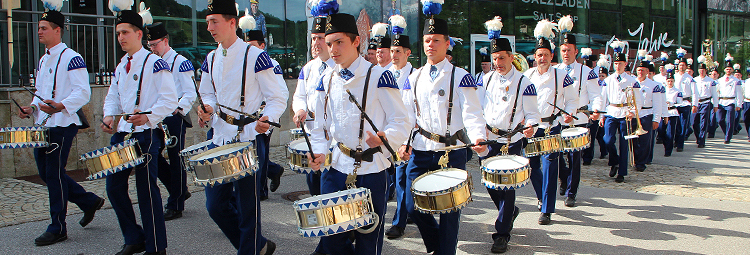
565, 24
117, 6
737, 66
603, 61
729, 58
676, 62
324, 7
642, 54
379, 29
453, 41
494, 26
53, 5
618, 46
432, 7
664, 56
701, 59
545, 29
483, 51
398, 24
145, 14
681, 52
690, 61
669, 67
649, 58
586, 53
247, 22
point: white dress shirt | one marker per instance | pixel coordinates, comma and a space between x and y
613, 92
684, 83
587, 93
503, 91
673, 97
431, 113
661, 79
554, 80
704, 88
222, 83
306, 97
481, 90
730, 87
652, 100
182, 73
72, 90
746, 89
158, 93
401, 76
340, 118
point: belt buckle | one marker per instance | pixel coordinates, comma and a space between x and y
230, 119
435, 137
495, 131
345, 149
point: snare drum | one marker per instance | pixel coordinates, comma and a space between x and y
575, 139
193, 150
505, 172
23, 137
224, 164
295, 133
298, 158
334, 213
113, 159
544, 145
442, 191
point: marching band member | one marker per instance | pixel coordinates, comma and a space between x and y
650, 113
684, 83
704, 99
673, 97
746, 103
510, 102
372, 51
401, 69
444, 102
619, 112
586, 85
235, 206
383, 51
738, 75
729, 91
486, 66
66, 88
553, 86
359, 153
603, 65
661, 78
588, 154
172, 173
142, 82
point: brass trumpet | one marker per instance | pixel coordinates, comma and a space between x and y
630, 100
520, 63
170, 141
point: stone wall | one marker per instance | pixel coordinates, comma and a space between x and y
20, 162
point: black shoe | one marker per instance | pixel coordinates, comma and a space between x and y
570, 202
701, 145
736, 132
515, 215
563, 188
132, 249
680, 149
187, 195
263, 198
164, 252
270, 247
409, 220
711, 136
640, 168
659, 141
667, 155
500, 245
586, 163
317, 253
48, 238
613, 170
276, 181
545, 219
620, 179
394, 232
88, 216
170, 214
602, 156
726, 142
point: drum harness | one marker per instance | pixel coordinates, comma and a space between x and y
553, 116
500, 132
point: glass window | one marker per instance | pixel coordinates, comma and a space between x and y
605, 5
602, 32
663, 8
526, 17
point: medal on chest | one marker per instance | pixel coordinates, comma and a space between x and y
135, 77
441, 92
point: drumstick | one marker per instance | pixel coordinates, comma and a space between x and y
244, 113
198, 96
563, 111
40, 98
509, 134
19, 107
374, 128
307, 140
130, 114
105, 124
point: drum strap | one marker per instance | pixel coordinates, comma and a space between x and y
358, 153
448, 140
140, 82
552, 117
501, 132
54, 79
450, 103
580, 82
174, 62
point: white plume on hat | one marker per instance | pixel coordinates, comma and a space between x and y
669, 67
689, 61
483, 51
545, 29
117, 6
53, 5
729, 57
398, 21
681, 51
701, 59
603, 61
565, 24
617, 45
145, 14
495, 24
586, 52
379, 29
642, 54
247, 22
664, 56
649, 58
737, 66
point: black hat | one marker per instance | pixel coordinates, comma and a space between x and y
497, 45
486, 58
588, 62
54, 17
569, 38
627, 68
384, 42
227, 7
643, 63
433, 26
319, 25
620, 56
702, 66
401, 40
130, 17
341, 23
373, 45
670, 74
449, 52
255, 35
603, 70
543, 43
737, 68
156, 31
651, 67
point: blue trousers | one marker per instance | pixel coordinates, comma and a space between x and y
614, 128
400, 216
669, 130
703, 122
588, 153
391, 191
441, 238
683, 126
172, 172
366, 244
265, 166
746, 117
544, 172
153, 232
504, 200
654, 134
726, 120
61, 188
643, 147
570, 170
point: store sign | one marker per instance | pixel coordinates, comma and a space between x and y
650, 44
551, 16
583, 4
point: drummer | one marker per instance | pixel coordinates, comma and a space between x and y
553, 86
172, 173
67, 90
358, 152
650, 113
510, 102
586, 85
443, 102
704, 99
142, 83
235, 206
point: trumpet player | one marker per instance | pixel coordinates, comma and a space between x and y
621, 104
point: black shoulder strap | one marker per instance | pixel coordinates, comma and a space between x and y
518, 95
244, 74
580, 80
174, 62
54, 79
450, 102
555, 101
211, 73
140, 82
414, 89
364, 103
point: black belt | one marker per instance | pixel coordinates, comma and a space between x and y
241, 122
704, 100
726, 98
442, 139
584, 108
365, 155
549, 119
646, 107
671, 107
497, 131
687, 99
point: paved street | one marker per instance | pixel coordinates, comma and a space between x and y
695, 202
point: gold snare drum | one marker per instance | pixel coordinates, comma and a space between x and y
505, 172
112, 159
224, 164
23, 137
193, 150
442, 191
298, 157
575, 139
544, 145
334, 213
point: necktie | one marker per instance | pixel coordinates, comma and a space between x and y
433, 72
48, 52
323, 67
346, 74
619, 78
568, 68
127, 67
398, 74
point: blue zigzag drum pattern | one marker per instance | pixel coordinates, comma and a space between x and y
298, 157
224, 164
334, 213
112, 159
505, 172
193, 150
23, 137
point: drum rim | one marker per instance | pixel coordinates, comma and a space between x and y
245, 147
226, 179
450, 189
575, 135
493, 171
364, 192
367, 219
29, 128
106, 150
188, 150
494, 186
